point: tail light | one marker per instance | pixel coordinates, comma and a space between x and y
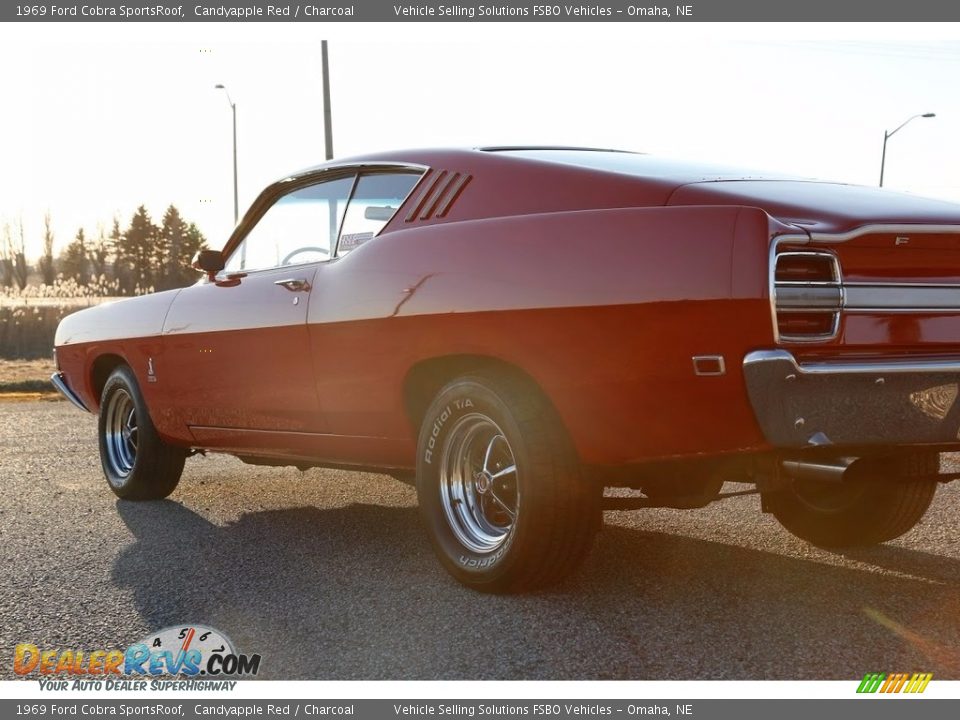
808, 295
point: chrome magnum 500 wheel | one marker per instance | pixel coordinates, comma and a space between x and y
499, 487
478, 484
880, 500
138, 465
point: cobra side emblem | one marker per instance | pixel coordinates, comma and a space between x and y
901, 241
151, 375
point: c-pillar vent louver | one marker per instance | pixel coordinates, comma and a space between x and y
440, 190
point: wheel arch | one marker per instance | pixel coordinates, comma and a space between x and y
426, 378
100, 370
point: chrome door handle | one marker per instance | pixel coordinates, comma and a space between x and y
293, 284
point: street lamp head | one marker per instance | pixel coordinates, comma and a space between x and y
221, 86
887, 134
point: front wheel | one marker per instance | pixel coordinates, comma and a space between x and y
137, 463
879, 500
499, 486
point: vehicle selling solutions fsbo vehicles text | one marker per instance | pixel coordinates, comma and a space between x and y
538, 11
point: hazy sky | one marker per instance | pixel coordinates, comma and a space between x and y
96, 119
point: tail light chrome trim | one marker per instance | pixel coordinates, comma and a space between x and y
817, 297
879, 229
838, 296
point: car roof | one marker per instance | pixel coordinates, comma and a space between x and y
604, 160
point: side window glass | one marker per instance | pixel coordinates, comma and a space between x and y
375, 200
300, 227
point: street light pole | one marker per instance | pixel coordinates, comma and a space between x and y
233, 107
888, 135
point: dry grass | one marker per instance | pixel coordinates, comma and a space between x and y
25, 376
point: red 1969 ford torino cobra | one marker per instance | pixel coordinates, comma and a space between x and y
520, 328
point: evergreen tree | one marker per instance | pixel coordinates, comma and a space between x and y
193, 243
139, 258
73, 260
177, 245
173, 236
136, 252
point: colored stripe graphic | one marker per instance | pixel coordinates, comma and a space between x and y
924, 680
894, 683
871, 682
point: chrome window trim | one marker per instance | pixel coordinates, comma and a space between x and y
306, 178
309, 180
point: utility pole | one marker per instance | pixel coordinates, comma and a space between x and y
233, 107
327, 123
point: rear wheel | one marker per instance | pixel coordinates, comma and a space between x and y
137, 463
878, 500
499, 487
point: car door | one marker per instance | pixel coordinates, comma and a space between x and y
236, 357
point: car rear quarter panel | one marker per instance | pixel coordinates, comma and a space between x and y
604, 309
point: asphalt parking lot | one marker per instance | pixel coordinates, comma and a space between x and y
328, 576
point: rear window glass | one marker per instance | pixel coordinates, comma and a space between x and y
375, 200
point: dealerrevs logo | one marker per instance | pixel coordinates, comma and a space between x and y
185, 650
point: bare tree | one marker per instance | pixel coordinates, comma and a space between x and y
18, 252
45, 266
100, 253
6, 257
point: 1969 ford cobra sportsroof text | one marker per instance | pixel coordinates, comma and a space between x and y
519, 328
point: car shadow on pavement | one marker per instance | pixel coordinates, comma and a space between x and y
355, 593
933, 568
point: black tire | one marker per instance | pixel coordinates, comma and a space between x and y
881, 500
138, 465
493, 530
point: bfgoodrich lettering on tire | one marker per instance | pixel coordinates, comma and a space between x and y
499, 487
137, 463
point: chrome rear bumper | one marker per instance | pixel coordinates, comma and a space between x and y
853, 404
61, 385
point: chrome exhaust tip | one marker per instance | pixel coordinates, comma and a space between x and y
818, 470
